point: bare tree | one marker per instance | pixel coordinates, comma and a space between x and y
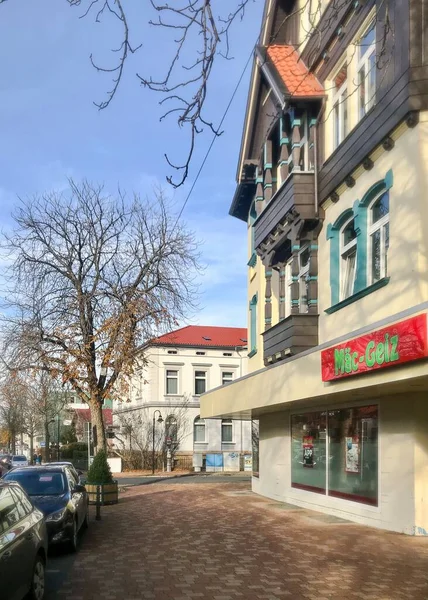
12, 393
93, 276
136, 432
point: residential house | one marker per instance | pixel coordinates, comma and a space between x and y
332, 185
179, 367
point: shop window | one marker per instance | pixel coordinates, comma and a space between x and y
353, 454
308, 451
171, 381
255, 442
200, 382
199, 430
366, 70
379, 237
226, 377
226, 431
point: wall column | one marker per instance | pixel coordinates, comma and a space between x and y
267, 171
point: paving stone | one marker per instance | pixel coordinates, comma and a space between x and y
221, 542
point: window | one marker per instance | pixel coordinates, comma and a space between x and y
9, 513
227, 353
366, 70
171, 382
340, 106
226, 431
200, 353
304, 255
342, 442
172, 351
226, 377
199, 430
171, 428
379, 237
255, 442
348, 259
200, 382
253, 325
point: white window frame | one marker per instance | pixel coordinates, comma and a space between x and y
303, 275
198, 422
228, 379
205, 378
364, 59
166, 381
227, 423
379, 225
345, 251
340, 117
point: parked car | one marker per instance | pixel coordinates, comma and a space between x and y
19, 460
23, 545
5, 464
76, 472
62, 499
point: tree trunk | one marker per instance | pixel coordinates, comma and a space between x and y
31, 436
47, 443
98, 430
13, 441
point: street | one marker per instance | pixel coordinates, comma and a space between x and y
216, 540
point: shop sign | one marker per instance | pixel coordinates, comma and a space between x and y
399, 343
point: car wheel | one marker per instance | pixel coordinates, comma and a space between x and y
37, 589
86, 521
73, 539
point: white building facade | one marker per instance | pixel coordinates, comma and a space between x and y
179, 367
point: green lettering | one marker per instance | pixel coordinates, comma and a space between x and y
370, 357
339, 361
387, 358
394, 352
355, 361
348, 364
380, 353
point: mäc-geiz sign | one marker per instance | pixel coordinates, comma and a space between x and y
393, 345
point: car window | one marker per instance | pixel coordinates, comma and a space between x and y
72, 479
38, 483
9, 514
19, 459
23, 501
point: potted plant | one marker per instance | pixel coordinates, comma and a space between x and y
99, 476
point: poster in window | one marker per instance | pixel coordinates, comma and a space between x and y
308, 451
352, 454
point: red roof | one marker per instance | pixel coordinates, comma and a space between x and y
201, 336
294, 73
85, 415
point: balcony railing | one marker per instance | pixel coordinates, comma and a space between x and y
292, 335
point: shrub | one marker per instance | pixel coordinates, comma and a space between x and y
99, 471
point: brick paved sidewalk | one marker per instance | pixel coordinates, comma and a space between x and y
221, 542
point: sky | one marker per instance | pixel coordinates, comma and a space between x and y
51, 130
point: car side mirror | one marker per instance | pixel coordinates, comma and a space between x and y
79, 472
79, 488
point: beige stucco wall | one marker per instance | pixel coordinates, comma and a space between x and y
407, 255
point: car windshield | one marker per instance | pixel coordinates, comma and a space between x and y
39, 483
19, 459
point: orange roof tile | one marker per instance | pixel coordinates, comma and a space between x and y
202, 336
294, 73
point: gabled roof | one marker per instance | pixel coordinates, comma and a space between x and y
84, 414
297, 79
203, 337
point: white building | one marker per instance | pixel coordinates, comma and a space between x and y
179, 366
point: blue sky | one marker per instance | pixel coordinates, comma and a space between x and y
50, 128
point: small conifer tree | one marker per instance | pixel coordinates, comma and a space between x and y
99, 471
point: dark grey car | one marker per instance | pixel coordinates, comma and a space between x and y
23, 545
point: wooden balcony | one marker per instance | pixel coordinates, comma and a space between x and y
292, 203
295, 334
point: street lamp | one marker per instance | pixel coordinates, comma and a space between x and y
159, 420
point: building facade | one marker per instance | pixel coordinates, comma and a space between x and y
332, 179
179, 367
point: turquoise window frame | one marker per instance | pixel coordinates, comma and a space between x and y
253, 326
359, 212
252, 216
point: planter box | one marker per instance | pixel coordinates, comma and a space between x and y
109, 493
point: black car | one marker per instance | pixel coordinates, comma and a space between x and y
23, 545
61, 498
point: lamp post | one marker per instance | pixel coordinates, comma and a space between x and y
159, 420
